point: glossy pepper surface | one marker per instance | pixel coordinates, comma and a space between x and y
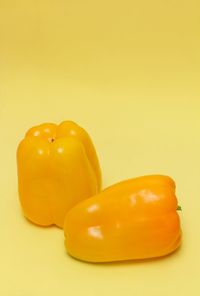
134, 219
57, 168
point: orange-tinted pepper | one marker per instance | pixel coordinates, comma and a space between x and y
57, 168
134, 219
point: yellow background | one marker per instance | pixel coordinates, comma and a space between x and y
127, 71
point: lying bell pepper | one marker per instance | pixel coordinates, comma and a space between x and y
57, 168
134, 219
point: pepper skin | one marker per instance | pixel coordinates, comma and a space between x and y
57, 168
134, 219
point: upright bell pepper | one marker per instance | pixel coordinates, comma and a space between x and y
134, 219
57, 168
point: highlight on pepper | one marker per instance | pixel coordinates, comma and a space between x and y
134, 219
57, 168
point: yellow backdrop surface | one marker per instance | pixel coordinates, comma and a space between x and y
128, 72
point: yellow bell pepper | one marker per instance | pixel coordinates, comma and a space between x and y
57, 168
134, 219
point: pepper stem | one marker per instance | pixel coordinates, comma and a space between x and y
179, 208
